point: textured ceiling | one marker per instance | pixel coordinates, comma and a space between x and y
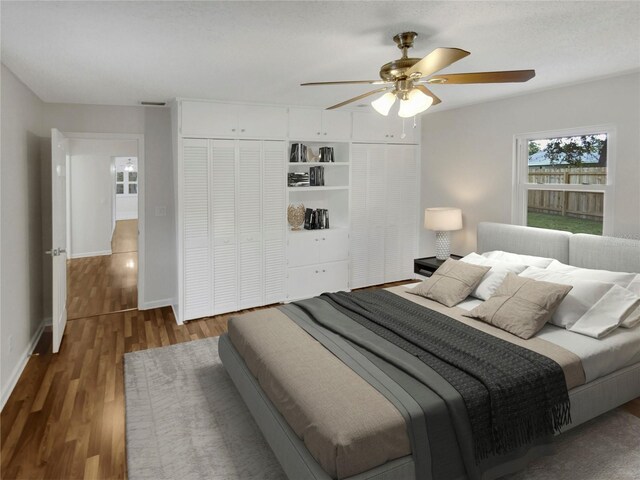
125, 52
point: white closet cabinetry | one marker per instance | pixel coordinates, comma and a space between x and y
376, 128
319, 125
210, 119
384, 213
233, 199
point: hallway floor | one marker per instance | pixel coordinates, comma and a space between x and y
108, 283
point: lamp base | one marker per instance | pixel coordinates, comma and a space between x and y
443, 245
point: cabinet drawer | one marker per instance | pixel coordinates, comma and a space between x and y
312, 280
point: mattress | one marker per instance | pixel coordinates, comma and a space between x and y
345, 423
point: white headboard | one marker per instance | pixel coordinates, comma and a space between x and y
581, 250
525, 240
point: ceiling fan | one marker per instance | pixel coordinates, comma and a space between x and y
405, 79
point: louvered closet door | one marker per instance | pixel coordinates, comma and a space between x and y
410, 220
196, 295
359, 243
250, 223
223, 221
274, 220
395, 204
376, 202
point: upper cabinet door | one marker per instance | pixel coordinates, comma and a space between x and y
256, 121
305, 124
207, 119
370, 127
336, 125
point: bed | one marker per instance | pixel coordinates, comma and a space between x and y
344, 413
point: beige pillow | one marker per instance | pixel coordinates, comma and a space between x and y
452, 282
521, 306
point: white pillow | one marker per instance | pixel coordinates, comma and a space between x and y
619, 278
583, 295
613, 309
494, 277
527, 260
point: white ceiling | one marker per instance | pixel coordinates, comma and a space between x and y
124, 52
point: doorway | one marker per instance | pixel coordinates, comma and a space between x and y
103, 209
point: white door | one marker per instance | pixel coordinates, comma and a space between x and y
59, 156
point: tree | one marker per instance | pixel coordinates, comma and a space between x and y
533, 148
571, 150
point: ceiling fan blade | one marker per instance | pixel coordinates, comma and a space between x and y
429, 93
437, 60
373, 92
485, 77
347, 82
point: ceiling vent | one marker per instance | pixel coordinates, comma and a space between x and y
153, 104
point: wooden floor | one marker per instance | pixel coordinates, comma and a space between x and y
108, 283
65, 418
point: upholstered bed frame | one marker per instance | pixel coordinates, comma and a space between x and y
587, 401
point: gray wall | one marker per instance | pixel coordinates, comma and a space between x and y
21, 242
467, 153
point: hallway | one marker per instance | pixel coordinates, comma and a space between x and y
108, 283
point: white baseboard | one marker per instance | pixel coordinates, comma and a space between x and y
90, 254
22, 362
128, 216
165, 302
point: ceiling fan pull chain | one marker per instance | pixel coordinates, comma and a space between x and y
414, 122
403, 134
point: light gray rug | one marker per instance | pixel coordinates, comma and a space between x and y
185, 420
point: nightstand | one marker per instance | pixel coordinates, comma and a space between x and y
427, 265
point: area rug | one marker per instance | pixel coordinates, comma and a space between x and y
185, 420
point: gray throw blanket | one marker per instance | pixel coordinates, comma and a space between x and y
513, 395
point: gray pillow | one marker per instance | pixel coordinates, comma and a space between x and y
452, 282
521, 306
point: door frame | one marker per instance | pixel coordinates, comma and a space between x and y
139, 138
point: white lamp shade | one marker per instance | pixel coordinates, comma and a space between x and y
383, 104
415, 103
443, 219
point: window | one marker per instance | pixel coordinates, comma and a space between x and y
126, 176
564, 180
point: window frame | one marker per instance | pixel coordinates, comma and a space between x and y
521, 185
125, 183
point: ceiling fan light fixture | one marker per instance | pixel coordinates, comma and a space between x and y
383, 104
416, 102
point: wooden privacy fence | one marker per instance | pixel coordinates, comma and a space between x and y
586, 205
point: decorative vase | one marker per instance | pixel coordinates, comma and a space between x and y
295, 215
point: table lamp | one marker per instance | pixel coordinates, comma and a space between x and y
443, 220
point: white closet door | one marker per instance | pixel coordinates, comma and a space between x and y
376, 201
359, 218
274, 220
223, 221
410, 216
196, 282
394, 205
250, 223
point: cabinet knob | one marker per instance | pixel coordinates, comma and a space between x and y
233, 129
325, 133
323, 271
242, 129
386, 136
323, 238
316, 239
318, 133
391, 135
316, 271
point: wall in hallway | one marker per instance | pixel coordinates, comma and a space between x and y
21, 242
91, 180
